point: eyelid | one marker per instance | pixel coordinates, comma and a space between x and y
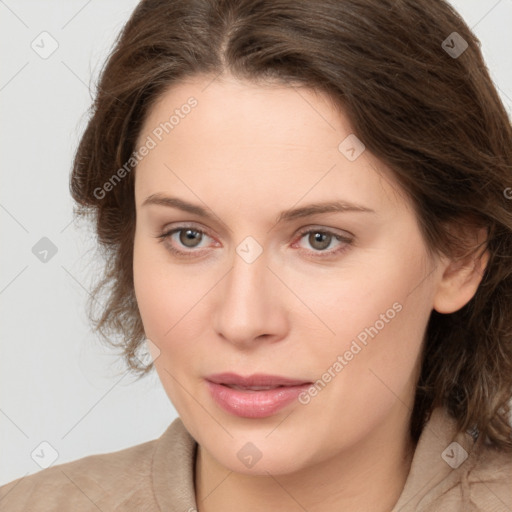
301, 231
325, 229
183, 226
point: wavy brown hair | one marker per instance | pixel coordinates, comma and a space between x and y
435, 119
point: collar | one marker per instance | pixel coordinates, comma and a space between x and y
172, 469
442, 455
439, 452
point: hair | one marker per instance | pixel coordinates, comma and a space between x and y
434, 119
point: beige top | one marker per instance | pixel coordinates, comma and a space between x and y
159, 476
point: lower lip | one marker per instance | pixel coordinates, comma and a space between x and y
254, 404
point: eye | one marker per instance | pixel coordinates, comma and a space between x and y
183, 237
185, 241
321, 240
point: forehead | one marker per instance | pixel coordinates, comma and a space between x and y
243, 140
260, 114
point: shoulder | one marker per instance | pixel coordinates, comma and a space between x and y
456, 471
482, 483
97, 482
489, 481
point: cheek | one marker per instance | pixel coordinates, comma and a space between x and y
160, 298
364, 301
151, 293
171, 304
378, 311
165, 301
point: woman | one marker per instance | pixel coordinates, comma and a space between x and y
306, 215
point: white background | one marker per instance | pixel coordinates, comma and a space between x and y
57, 383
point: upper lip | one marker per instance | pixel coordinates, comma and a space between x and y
257, 379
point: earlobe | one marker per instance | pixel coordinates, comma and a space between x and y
460, 282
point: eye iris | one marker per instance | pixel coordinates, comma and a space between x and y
189, 236
323, 238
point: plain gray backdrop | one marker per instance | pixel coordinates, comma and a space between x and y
59, 385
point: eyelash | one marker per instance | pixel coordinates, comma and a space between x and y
305, 231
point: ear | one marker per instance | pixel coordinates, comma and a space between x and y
462, 276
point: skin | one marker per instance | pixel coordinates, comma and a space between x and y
246, 152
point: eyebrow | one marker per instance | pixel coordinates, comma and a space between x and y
284, 216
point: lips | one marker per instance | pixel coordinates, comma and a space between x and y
255, 382
256, 396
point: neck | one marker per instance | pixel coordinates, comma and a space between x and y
368, 476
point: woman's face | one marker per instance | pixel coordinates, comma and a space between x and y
264, 283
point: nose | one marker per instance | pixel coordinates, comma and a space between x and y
250, 304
